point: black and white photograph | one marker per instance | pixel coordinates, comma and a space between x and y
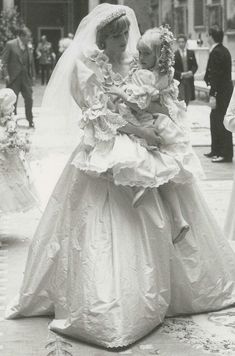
117, 186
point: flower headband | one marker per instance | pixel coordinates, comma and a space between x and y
111, 17
166, 59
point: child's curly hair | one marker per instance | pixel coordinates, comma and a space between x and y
160, 39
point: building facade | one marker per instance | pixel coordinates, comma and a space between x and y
191, 17
56, 18
53, 18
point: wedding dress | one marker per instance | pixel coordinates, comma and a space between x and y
106, 272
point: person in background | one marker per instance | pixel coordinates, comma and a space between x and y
64, 43
45, 56
185, 68
218, 76
19, 70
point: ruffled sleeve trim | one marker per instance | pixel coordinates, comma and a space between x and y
141, 89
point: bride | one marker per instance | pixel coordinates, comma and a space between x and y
106, 272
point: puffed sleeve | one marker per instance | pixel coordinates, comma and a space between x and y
98, 122
142, 88
229, 120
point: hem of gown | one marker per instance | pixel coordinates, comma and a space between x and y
132, 184
151, 186
109, 345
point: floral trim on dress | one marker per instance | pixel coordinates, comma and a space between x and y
98, 121
109, 76
11, 138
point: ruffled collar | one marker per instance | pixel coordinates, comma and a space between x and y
102, 61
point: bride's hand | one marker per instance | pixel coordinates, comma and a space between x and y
156, 107
114, 90
151, 136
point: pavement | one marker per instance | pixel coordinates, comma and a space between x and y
194, 336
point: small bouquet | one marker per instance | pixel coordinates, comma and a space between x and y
11, 138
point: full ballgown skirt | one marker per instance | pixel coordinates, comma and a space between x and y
100, 265
110, 273
203, 267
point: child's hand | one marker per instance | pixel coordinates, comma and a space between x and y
114, 91
157, 108
151, 136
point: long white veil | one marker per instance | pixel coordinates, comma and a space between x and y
59, 113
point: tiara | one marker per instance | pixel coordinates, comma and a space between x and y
113, 16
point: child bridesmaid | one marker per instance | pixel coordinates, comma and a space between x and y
17, 192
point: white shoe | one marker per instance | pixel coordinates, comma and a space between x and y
138, 197
182, 234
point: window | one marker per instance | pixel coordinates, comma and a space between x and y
110, 2
230, 12
181, 20
214, 15
199, 14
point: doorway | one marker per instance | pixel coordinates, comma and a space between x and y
54, 34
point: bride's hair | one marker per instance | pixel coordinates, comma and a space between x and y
115, 27
160, 40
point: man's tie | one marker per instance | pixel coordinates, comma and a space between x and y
185, 61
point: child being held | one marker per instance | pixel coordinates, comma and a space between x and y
126, 159
151, 83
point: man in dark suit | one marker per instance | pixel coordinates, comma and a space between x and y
218, 76
185, 68
19, 70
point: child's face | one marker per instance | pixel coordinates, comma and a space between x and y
147, 57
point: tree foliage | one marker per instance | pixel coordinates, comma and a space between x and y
10, 22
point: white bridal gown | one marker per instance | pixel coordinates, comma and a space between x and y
108, 273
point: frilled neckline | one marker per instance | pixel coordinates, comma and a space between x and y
110, 77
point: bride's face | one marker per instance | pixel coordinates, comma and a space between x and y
117, 42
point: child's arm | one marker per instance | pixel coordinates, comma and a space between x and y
111, 106
156, 108
122, 95
147, 133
